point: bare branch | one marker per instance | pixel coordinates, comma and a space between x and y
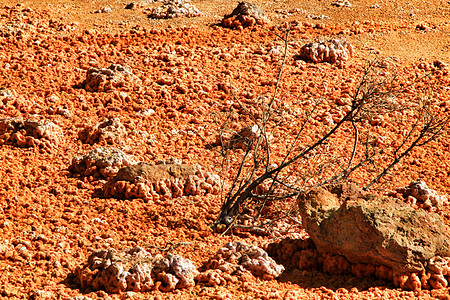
258, 183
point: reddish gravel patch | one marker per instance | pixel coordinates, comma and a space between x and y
51, 220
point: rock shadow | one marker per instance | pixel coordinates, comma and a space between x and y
313, 279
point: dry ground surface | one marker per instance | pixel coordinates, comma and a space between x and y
185, 66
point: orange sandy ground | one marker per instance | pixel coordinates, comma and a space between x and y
39, 197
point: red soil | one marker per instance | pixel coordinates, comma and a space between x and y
51, 221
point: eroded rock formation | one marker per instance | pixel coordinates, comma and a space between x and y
30, 133
109, 131
115, 76
237, 257
155, 182
174, 9
101, 162
331, 51
244, 15
134, 270
303, 255
419, 195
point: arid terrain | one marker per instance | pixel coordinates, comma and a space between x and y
178, 79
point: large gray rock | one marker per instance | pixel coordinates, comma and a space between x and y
366, 228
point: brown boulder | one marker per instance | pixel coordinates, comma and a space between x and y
155, 173
366, 228
155, 182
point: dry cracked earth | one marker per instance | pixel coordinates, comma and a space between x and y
79, 75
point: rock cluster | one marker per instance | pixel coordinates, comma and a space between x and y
174, 9
302, 254
419, 195
30, 133
134, 270
115, 76
157, 182
244, 15
109, 131
331, 51
175, 272
238, 257
101, 162
137, 270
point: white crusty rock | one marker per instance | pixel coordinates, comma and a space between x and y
244, 15
109, 131
244, 139
101, 162
438, 274
156, 182
302, 254
103, 9
135, 270
238, 256
115, 76
341, 3
331, 51
417, 193
16, 30
30, 133
7, 93
295, 253
174, 9
42, 295
117, 272
175, 272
